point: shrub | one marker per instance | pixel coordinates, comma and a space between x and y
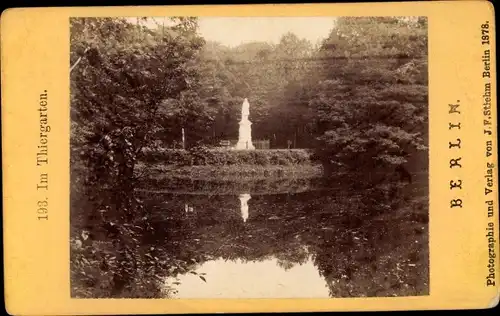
220, 157
262, 160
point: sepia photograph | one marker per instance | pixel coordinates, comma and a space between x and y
249, 157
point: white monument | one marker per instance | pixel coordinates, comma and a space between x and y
244, 205
245, 132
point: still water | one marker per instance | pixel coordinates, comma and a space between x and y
316, 243
268, 277
254, 279
273, 239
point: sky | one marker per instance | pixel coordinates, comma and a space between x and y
233, 31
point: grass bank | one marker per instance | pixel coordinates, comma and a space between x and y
202, 156
228, 179
167, 166
227, 172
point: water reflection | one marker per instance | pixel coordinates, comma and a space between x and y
188, 209
254, 279
244, 206
326, 242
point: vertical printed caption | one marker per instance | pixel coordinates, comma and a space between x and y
42, 159
490, 164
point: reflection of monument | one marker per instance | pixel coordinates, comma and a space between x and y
244, 205
245, 132
188, 209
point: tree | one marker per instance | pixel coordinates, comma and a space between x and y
371, 102
119, 85
121, 74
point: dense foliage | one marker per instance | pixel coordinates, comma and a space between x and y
122, 75
219, 157
371, 100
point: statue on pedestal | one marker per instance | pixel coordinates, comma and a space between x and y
245, 131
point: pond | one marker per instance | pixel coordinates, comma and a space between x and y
267, 275
320, 242
254, 279
276, 245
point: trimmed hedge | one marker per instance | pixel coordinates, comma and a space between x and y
219, 157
